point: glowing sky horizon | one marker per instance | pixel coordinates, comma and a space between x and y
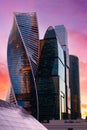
71, 13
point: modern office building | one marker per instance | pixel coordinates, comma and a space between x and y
39, 69
51, 78
23, 58
13, 117
61, 33
75, 87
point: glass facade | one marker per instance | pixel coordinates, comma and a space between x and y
13, 117
23, 58
39, 75
75, 87
51, 79
61, 33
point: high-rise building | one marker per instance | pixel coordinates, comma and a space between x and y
39, 70
23, 58
51, 78
75, 87
61, 33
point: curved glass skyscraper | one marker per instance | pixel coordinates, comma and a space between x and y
51, 78
23, 58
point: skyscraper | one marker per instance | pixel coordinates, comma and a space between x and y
61, 33
23, 58
75, 87
51, 78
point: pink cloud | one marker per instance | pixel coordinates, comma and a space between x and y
71, 13
6, 12
16, 6
3, 47
78, 44
4, 76
83, 71
78, 47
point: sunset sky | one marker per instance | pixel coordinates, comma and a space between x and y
71, 13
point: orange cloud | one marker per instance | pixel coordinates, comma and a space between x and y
4, 81
84, 114
3, 91
84, 106
83, 82
84, 110
83, 87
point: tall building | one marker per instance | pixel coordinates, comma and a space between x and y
23, 58
61, 33
51, 78
39, 70
75, 87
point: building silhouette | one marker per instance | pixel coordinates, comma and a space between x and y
75, 87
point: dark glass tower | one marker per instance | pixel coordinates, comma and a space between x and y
23, 58
75, 87
51, 78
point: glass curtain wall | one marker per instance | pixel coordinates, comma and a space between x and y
23, 57
50, 80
